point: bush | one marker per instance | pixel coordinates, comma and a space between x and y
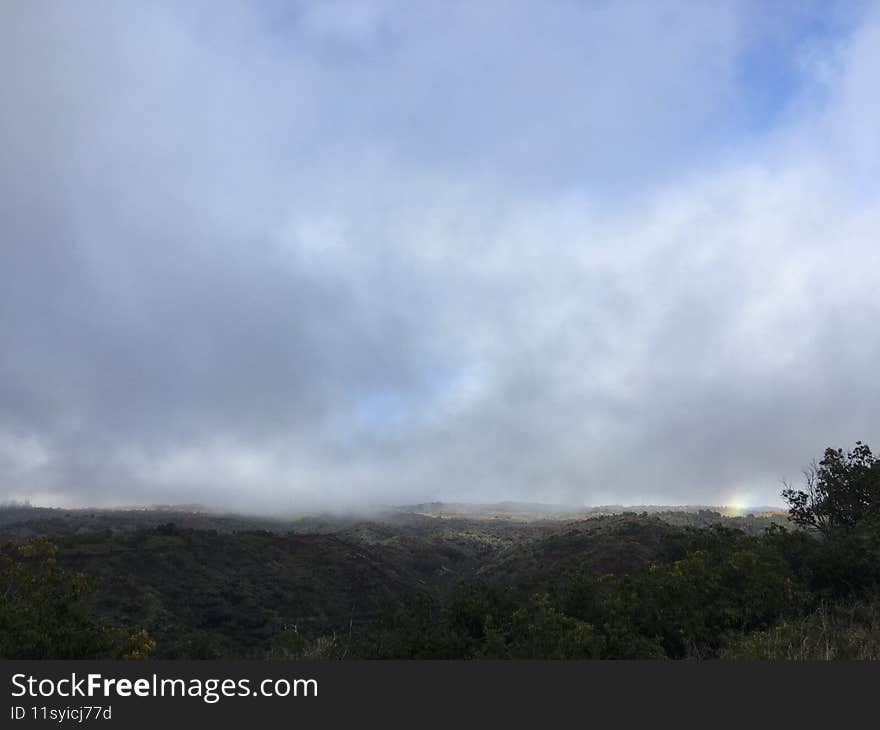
43, 614
849, 631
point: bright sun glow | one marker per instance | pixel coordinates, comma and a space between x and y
737, 505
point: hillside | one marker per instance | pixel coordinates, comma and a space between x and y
211, 585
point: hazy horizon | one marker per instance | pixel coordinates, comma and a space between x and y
284, 256
537, 510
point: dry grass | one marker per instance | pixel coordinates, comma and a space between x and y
840, 632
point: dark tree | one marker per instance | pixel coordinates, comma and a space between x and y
840, 491
44, 614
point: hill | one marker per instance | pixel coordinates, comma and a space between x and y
220, 585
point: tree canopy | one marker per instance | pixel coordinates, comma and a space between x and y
44, 614
840, 491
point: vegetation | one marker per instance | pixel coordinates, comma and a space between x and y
43, 614
421, 584
842, 491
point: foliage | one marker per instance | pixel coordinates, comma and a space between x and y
660, 585
840, 491
831, 631
43, 614
290, 644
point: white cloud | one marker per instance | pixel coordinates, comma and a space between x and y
388, 254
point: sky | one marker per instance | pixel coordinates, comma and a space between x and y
285, 256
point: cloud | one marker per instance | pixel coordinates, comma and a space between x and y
319, 254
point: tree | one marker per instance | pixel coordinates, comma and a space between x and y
43, 613
840, 491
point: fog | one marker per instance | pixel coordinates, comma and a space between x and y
285, 256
